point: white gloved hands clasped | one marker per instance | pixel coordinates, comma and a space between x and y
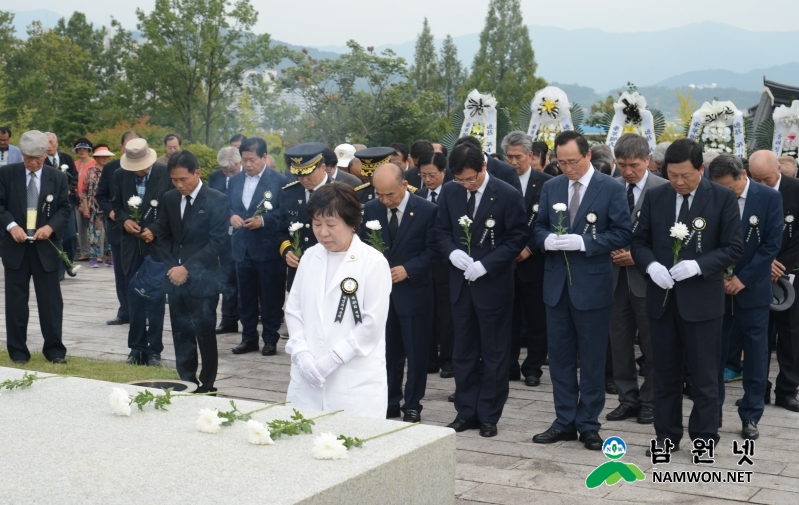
660, 275
328, 364
460, 259
307, 367
569, 242
475, 271
684, 270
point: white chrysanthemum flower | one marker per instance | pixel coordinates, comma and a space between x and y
64, 167
464, 221
75, 268
679, 231
295, 227
209, 421
559, 207
327, 446
258, 434
134, 201
267, 206
120, 402
374, 225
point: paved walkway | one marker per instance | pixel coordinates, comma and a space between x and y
506, 469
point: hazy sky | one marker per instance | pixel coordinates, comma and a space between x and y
376, 22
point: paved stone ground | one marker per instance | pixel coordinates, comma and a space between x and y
507, 469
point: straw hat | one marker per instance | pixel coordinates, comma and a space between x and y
138, 156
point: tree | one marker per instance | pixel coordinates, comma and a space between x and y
453, 75
505, 63
424, 74
598, 111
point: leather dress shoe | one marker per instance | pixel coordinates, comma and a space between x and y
446, 372
206, 391
116, 322
659, 445
133, 359
451, 398
749, 429
432, 368
268, 350
488, 430
412, 416
227, 328
515, 376
611, 388
460, 425
154, 360
646, 415
622, 412
58, 361
591, 440
553, 435
246, 346
393, 412
532, 381
20, 361
787, 402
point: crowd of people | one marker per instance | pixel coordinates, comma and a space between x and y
431, 261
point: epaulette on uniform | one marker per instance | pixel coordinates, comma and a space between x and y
363, 186
412, 189
290, 184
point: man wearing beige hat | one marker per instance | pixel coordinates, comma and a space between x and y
34, 208
344, 154
138, 189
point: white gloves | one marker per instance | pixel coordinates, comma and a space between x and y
475, 271
684, 270
305, 363
328, 364
460, 259
569, 242
660, 275
549, 243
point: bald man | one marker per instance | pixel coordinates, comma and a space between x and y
765, 168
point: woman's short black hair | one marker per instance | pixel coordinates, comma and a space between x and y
336, 199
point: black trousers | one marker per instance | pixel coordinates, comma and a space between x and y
267, 278
786, 325
144, 339
407, 336
121, 283
528, 302
48, 297
194, 325
443, 340
676, 341
229, 286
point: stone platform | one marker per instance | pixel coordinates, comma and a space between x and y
60, 443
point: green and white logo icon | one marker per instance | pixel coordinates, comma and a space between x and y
614, 470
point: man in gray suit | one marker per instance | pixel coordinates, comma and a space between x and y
341, 157
629, 308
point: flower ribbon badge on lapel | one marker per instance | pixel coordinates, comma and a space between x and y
637, 217
267, 195
789, 224
49, 199
754, 224
590, 222
153, 203
348, 288
698, 224
46, 207
154, 208
490, 223
533, 215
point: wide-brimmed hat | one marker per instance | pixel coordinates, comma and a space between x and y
138, 156
782, 294
345, 153
81, 145
102, 151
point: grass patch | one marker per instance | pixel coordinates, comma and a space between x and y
111, 371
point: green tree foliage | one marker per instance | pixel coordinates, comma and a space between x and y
424, 74
505, 63
598, 111
453, 76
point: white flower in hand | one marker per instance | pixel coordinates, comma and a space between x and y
267, 206
327, 446
209, 421
120, 402
464, 221
559, 207
374, 225
295, 227
258, 434
678, 231
134, 201
64, 167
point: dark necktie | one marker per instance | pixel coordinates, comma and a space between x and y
470, 204
574, 204
188, 206
33, 192
310, 194
434, 197
630, 197
393, 225
683, 215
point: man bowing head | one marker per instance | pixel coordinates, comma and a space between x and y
583, 217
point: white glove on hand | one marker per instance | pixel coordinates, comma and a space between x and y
684, 270
305, 363
328, 364
549, 242
660, 275
569, 242
475, 271
460, 259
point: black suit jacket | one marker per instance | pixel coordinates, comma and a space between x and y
195, 240
789, 251
698, 298
504, 172
532, 269
218, 180
413, 177
14, 208
71, 173
124, 188
105, 198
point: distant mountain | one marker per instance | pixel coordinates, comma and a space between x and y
749, 81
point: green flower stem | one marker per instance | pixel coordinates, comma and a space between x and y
390, 432
263, 408
62, 255
27, 380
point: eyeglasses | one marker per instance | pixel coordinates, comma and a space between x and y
429, 176
465, 182
568, 163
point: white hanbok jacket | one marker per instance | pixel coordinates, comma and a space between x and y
359, 386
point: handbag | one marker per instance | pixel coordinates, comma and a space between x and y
149, 278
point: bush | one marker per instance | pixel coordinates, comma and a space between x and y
112, 136
205, 155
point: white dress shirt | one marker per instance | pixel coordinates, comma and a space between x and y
679, 202
524, 179
193, 198
479, 194
308, 193
400, 208
250, 183
430, 192
55, 160
584, 181
638, 187
777, 186
742, 199
38, 184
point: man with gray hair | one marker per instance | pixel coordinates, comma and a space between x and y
658, 158
33, 196
602, 152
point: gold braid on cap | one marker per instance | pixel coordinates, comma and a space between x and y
300, 168
368, 166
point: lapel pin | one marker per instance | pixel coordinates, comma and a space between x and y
411, 213
299, 201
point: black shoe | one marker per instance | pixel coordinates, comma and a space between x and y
206, 391
58, 361
446, 372
646, 415
227, 328
432, 369
515, 376
133, 359
611, 389
591, 440
246, 346
116, 322
553, 435
393, 413
738, 402
460, 425
412, 416
532, 381
622, 412
787, 402
659, 445
268, 350
749, 429
451, 398
154, 360
20, 361
767, 396
488, 430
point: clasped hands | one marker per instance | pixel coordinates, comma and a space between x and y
566, 242
665, 278
472, 270
315, 371
19, 235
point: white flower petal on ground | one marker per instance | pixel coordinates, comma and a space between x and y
327, 446
295, 227
209, 421
374, 225
120, 402
679, 231
134, 201
258, 434
559, 207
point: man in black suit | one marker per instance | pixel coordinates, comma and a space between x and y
482, 304
229, 160
496, 168
34, 196
113, 231
765, 169
64, 162
418, 148
145, 180
408, 231
685, 297
191, 231
528, 301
